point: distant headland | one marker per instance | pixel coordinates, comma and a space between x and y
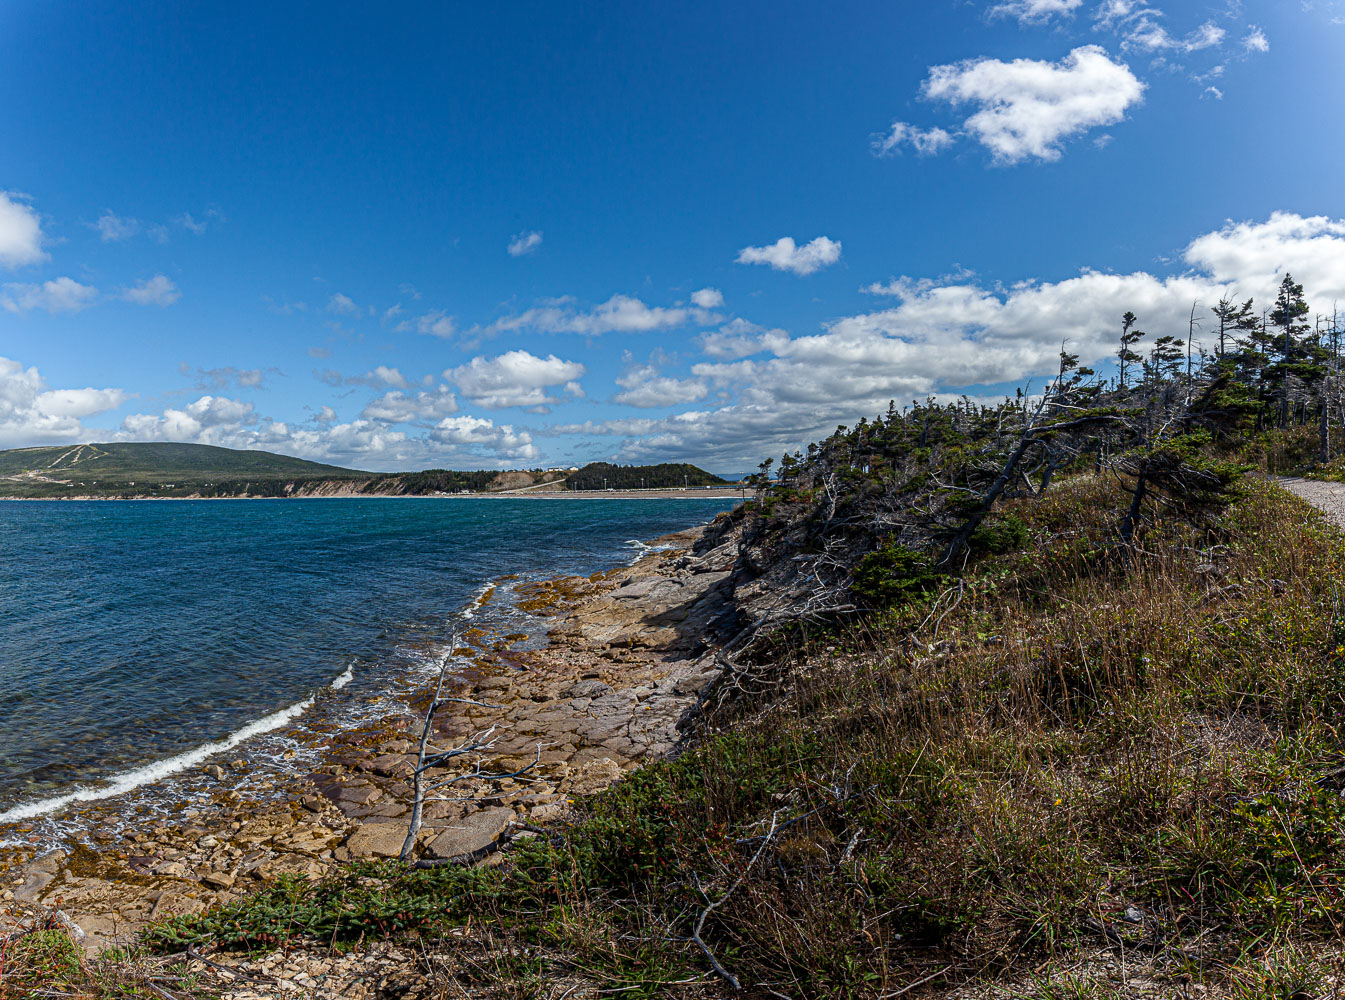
164, 470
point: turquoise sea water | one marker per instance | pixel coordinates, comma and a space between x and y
136, 632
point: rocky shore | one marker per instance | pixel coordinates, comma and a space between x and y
626, 654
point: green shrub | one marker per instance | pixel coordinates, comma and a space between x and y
1007, 534
892, 576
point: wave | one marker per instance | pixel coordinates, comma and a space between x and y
478, 599
129, 781
643, 549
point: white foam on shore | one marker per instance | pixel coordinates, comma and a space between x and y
643, 549
478, 599
129, 781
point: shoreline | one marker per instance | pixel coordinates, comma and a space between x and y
621, 657
705, 493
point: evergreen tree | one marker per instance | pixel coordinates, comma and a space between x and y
1291, 309
1233, 319
1129, 337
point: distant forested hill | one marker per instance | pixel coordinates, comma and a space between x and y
151, 468
197, 470
604, 475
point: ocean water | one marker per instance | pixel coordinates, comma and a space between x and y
138, 637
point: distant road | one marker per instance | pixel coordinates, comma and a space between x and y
525, 493
693, 493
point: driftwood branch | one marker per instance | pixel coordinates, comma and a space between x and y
418, 779
429, 758
724, 973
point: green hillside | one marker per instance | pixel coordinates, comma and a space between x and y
165, 469
186, 470
604, 475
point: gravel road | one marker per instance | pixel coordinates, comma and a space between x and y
1329, 498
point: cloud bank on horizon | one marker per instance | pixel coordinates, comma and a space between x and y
751, 391
730, 335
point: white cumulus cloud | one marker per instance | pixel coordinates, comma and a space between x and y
1026, 108
645, 387
436, 324
113, 228
20, 232
31, 413
516, 378
707, 298
785, 255
926, 142
57, 295
525, 243
1034, 11
398, 407
482, 434
619, 314
155, 291
343, 305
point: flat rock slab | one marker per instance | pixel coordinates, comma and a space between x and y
593, 776
377, 840
471, 834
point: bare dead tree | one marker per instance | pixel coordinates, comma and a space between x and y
429, 758
710, 907
1035, 433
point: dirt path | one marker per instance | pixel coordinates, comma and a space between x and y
1329, 498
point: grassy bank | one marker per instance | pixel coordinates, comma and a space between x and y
1127, 766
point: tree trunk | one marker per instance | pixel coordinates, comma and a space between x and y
1324, 432
1136, 511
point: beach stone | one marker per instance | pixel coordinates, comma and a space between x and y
696, 683
443, 811
170, 904
386, 809
633, 589
216, 880
377, 840
391, 765
592, 776
471, 834
548, 812
587, 689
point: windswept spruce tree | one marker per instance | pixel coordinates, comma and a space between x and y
898, 503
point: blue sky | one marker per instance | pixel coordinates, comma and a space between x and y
507, 235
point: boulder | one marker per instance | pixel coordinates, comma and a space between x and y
377, 840
593, 776
548, 812
216, 880
471, 834
587, 689
695, 683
